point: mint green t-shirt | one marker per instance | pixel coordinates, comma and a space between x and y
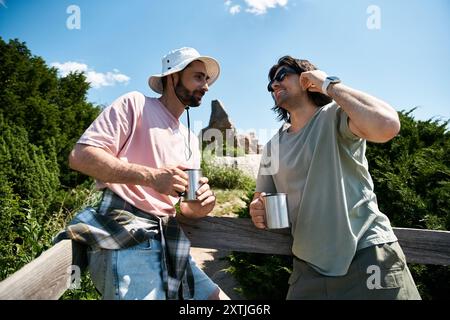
333, 209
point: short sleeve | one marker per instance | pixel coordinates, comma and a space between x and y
343, 127
264, 181
111, 129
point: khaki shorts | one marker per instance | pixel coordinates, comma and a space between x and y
376, 272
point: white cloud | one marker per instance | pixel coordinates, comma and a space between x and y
96, 79
235, 9
3, 3
256, 7
68, 67
259, 7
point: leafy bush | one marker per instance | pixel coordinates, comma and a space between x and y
86, 291
33, 175
411, 175
32, 207
226, 177
29, 179
53, 110
41, 117
261, 276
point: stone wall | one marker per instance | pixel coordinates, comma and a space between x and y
249, 164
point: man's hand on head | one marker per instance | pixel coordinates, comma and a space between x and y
312, 80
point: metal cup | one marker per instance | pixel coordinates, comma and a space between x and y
276, 210
194, 176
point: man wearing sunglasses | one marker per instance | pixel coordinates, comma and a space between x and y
343, 245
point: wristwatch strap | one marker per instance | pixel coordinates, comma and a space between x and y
325, 85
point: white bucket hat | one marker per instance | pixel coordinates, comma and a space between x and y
177, 60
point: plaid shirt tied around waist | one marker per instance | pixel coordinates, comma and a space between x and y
118, 225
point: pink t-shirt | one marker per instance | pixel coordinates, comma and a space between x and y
138, 129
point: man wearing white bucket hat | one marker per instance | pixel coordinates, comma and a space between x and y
137, 150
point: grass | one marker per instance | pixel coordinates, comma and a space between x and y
228, 202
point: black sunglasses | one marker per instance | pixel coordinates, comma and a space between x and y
280, 77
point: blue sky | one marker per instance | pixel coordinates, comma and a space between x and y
397, 50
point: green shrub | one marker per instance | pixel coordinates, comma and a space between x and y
226, 177
411, 175
261, 276
41, 117
86, 291
28, 180
9, 207
53, 110
32, 207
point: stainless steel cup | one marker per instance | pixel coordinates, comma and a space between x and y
194, 176
276, 210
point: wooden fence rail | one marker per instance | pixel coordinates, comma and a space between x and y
48, 276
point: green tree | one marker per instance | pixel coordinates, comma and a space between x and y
54, 110
29, 183
411, 174
41, 117
31, 173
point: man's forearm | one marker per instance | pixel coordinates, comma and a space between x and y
102, 166
371, 118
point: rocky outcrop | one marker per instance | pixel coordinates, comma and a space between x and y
219, 117
220, 134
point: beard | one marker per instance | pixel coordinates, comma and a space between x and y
187, 97
280, 101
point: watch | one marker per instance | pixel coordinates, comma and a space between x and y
329, 80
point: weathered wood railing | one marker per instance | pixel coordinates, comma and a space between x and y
48, 276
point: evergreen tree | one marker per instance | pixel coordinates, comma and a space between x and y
54, 111
41, 117
411, 174
28, 186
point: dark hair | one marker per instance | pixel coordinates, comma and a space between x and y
164, 83
299, 66
164, 79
